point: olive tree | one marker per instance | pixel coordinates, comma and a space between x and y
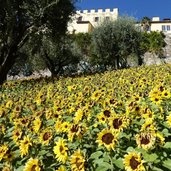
23, 19
114, 41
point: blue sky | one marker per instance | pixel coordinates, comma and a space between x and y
135, 8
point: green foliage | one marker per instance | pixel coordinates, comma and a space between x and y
24, 19
114, 41
145, 23
153, 42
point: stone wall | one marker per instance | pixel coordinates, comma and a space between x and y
150, 59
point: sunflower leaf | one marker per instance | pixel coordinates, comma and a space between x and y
119, 163
167, 164
167, 145
104, 166
130, 149
96, 154
150, 157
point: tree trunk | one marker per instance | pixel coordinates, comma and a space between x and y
7, 64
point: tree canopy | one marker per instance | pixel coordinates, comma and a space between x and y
21, 20
114, 41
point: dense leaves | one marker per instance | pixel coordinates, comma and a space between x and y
24, 19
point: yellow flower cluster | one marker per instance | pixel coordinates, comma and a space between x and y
60, 124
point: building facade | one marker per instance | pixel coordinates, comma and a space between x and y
85, 21
160, 25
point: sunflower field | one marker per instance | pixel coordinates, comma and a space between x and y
114, 121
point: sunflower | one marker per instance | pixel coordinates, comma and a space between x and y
6, 168
77, 161
133, 162
78, 116
2, 111
145, 140
37, 124
24, 146
156, 100
73, 131
147, 113
61, 168
48, 114
61, 150
3, 150
65, 126
9, 156
45, 136
9, 104
32, 165
58, 126
118, 122
107, 138
166, 94
96, 95
160, 138
148, 125
24, 122
107, 112
17, 108
168, 120
101, 118
2, 129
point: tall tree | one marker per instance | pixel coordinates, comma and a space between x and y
114, 41
146, 23
22, 19
153, 42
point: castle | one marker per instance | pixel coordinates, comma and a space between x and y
84, 21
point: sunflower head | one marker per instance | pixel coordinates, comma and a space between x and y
32, 165
77, 161
118, 122
61, 150
108, 138
46, 136
133, 162
146, 140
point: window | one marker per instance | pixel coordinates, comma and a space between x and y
168, 28
80, 18
107, 18
96, 19
165, 27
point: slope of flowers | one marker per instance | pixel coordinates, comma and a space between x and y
117, 120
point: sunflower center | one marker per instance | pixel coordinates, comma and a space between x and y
112, 101
117, 123
24, 121
145, 140
77, 162
165, 94
74, 128
61, 149
137, 108
17, 134
46, 136
134, 163
107, 138
156, 99
33, 168
107, 113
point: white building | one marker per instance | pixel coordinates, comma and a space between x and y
85, 21
160, 25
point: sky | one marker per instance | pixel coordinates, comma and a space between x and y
135, 8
